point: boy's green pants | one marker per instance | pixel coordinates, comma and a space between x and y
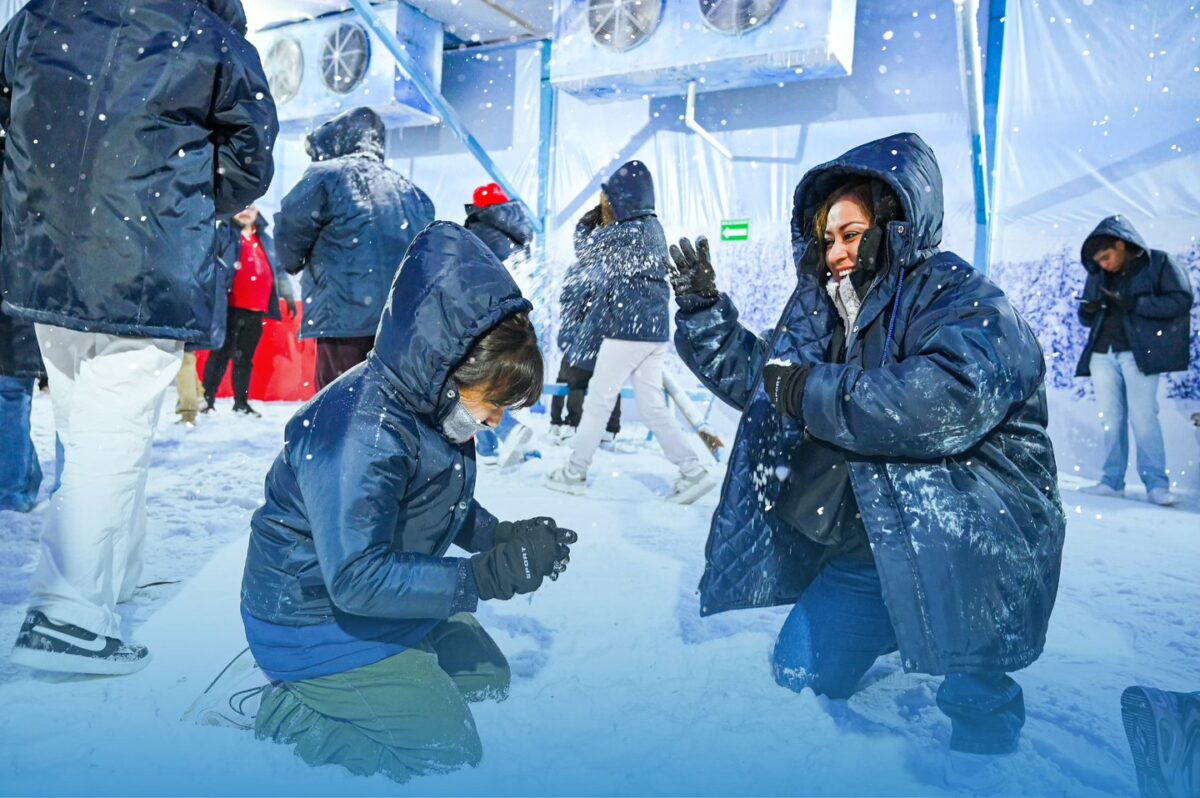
403, 716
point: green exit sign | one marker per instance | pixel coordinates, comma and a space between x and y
735, 229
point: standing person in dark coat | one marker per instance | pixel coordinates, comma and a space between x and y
258, 286
630, 318
351, 603
111, 187
892, 476
1138, 303
498, 222
576, 337
346, 226
20, 368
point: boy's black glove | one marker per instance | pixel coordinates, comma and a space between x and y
518, 565
785, 388
692, 275
1091, 308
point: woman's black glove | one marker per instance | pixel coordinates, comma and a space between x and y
784, 385
1115, 300
692, 275
537, 549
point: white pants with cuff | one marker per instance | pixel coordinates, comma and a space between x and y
641, 363
107, 392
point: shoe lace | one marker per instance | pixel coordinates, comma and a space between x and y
238, 700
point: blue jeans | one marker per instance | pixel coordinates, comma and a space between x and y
1127, 396
487, 443
20, 472
841, 626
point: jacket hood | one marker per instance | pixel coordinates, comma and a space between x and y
229, 10
630, 191
1114, 227
449, 291
507, 217
359, 130
904, 163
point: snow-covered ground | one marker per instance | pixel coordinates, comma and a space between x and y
620, 687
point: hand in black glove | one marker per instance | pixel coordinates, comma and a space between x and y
1115, 300
519, 565
785, 388
1091, 308
692, 275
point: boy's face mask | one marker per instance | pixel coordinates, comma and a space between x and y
460, 425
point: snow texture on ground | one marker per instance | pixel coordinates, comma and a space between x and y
620, 687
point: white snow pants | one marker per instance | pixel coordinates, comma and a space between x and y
107, 392
640, 362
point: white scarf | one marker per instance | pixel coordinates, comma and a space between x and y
845, 299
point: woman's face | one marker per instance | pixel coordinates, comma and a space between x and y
848, 220
485, 410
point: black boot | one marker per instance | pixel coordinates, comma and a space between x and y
244, 407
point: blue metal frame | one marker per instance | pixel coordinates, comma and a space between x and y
546, 128
449, 116
992, 73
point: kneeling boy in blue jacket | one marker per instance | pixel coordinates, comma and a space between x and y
350, 603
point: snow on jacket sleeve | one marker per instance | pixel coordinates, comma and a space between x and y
244, 124
1172, 295
353, 496
720, 351
302, 214
967, 359
478, 530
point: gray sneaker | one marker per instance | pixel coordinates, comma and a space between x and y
690, 488
1162, 497
1101, 489
565, 479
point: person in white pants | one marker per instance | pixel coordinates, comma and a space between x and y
107, 394
641, 364
627, 262
109, 233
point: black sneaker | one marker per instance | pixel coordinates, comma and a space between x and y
52, 646
209, 406
244, 407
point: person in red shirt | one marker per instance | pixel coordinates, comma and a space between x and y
254, 297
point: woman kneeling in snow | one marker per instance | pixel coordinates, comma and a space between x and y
350, 603
892, 476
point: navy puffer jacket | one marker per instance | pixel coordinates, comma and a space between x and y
346, 225
941, 412
367, 495
578, 340
1159, 323
628, 262
503, 228
131, 127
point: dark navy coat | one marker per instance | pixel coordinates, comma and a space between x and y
346, 226
628, 262
131, 127
368, 494
1159, 324
940, 410
503, 228
578, 340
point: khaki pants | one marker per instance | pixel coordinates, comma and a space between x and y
404, 716
187, 385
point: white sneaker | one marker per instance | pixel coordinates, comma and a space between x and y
233, 698
487, 459
609, 442
567, 480
513, 448
1101, 489
1162, 497
689, 488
